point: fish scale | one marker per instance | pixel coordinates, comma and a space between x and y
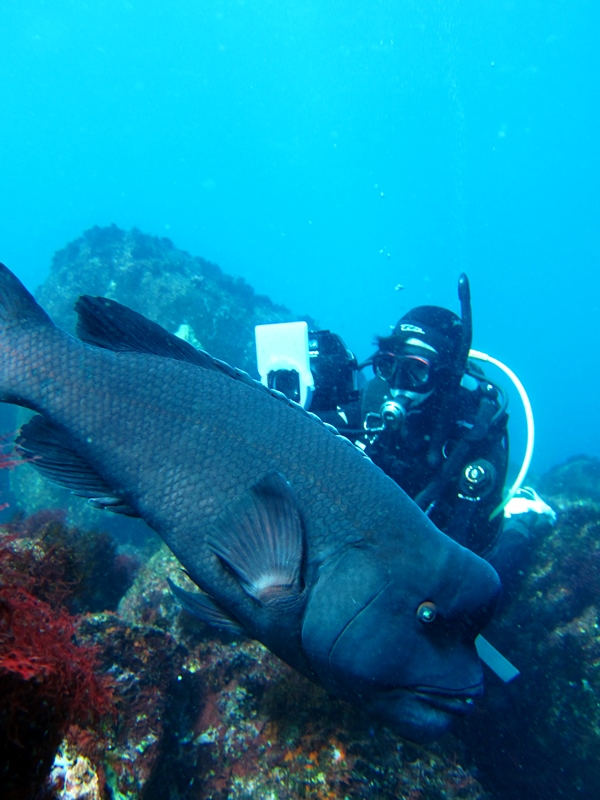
340, 558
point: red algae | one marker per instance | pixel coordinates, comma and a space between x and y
48, 682
38, 653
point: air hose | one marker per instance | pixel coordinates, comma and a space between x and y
478, 355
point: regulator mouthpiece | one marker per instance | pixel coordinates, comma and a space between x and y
392, 414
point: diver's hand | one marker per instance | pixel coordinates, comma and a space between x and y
527, 519
529, 508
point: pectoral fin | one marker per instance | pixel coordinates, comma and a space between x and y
53, 453
260, 537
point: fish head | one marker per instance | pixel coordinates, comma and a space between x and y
394, 631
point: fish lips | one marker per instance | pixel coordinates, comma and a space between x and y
421, 714
458, 702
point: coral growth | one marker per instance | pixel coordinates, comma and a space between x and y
145, 665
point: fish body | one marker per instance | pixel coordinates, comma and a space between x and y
293, 536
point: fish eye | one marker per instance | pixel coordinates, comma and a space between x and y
427, 611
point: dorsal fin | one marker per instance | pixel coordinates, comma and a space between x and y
113, 326
108, 324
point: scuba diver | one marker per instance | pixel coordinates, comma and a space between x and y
429, 417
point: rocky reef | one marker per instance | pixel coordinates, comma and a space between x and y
540, 736
200, 715
149, 274
175, 710
153, 704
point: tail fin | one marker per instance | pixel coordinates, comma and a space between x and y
20, 316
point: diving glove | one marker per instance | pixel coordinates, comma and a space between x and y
527, 500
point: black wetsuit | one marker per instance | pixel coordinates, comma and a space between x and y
429, 454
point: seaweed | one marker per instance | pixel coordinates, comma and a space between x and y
48, 680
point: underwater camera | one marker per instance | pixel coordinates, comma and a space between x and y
314, 369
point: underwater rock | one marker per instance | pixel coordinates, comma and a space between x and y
240, 724
205, 716
184, 294
84, 571
145, 665
195, 715
576, 479
539, 737
73, 776
165, 284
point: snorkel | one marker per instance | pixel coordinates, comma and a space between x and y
464, 295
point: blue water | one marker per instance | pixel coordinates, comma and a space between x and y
329, 152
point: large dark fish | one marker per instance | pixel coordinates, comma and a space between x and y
291, 533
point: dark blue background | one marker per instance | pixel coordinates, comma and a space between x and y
299, 143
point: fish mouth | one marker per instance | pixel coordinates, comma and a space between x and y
459, 702
423, 713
